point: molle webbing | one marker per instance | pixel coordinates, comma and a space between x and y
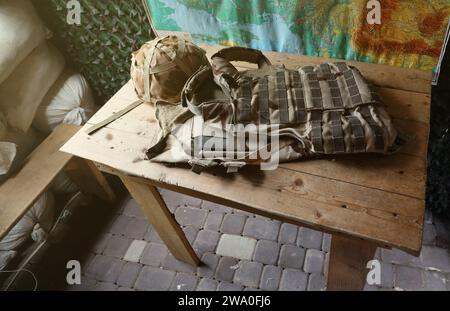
263, 101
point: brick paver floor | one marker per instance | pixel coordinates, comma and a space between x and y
256, 253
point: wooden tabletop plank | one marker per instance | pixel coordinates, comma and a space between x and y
382, 75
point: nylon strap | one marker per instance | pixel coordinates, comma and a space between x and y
281, 97
263, 100
113, 117
299, 98
244, 100
353, 89
316, 131
378, 131
358, 137
337, 133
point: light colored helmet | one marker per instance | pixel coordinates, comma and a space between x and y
161, 67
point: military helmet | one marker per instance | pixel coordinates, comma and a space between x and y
161, 67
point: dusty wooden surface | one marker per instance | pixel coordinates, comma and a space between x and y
377, 198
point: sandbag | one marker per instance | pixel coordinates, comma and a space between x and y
63, 184
6, 257
25, 143
21, 32
3, 126
69, 101
42, 213
22, 92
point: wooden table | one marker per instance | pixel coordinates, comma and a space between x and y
365, 201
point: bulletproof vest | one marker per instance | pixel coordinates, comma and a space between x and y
314, 110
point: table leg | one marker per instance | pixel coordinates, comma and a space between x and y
89, 179
163, 221
348, 259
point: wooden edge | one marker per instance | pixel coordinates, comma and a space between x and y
250, 209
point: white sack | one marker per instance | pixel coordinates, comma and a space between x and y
42, 213
69, 100
22, 92
7, 155
25, 144
6, 257
3, 126
63, 184
21, 30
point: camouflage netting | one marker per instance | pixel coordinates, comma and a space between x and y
100, 48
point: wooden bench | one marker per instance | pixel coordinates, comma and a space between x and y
365, 201
21, 190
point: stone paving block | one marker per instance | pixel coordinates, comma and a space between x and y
190, 233
184, 282
152, 236
233, 224
228, 287
135, 251
175, 199
132, 209
213, 221
125, 289
104, 268
236, 246
154, 254
428, 216
207, 285
435, 257
129, 274
288, 234
270, 278
189, 216
314, 261
105, 287
207, 240
387, 275
100, 242
326, 242
293, 280
226, 268
208, 265
173, 264
317, 282
261, 228
409, 278
118, 224
251, 289
266, 252
291, 257
434, 281
309, 238
429, 234
136, 228
248, 274
442, 226
399, 257
87, 284
215, 207
117, 246
154, 279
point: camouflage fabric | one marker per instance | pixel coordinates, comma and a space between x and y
161, 67
314, 110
